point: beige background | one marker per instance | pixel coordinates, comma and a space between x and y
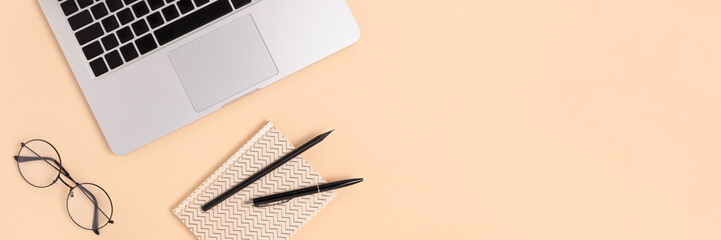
468, 119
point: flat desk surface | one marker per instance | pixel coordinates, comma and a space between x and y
468, 120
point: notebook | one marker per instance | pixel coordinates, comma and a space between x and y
231, 219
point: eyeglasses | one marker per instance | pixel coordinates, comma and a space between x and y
88, 205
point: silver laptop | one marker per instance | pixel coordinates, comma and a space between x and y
150, 67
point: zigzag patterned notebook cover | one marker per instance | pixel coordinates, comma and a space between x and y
233, 220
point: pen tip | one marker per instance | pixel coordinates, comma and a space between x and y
326, 133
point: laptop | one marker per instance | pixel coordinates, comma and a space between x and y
150, 67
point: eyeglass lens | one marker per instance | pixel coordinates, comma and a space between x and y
38, 163
89, 206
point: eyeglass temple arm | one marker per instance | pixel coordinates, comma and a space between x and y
21, 159
30, 159
48, 160
92, 198
95, 203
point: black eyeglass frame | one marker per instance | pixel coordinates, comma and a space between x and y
62, 172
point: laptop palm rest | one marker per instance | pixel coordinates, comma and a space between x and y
223, 63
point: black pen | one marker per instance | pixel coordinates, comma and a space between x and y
302, 192
265, 171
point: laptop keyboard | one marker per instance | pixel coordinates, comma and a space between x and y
115, 32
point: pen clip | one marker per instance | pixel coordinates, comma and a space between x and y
274, 203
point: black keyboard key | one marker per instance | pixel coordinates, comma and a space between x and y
155, 20
125, 16
129, 52
69, 7
240, 3
92, 50
185, 6
84, 3
146, 44
109, 42
169, 1
140, 27
113, 59
128, 2
99, 10
98, 66
192, 21
110, 23
89, 33
114, 5
155, 4
170, 13
200, 3
140, 9
125, 34
80, 20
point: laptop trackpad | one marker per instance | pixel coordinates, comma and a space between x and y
223, 63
